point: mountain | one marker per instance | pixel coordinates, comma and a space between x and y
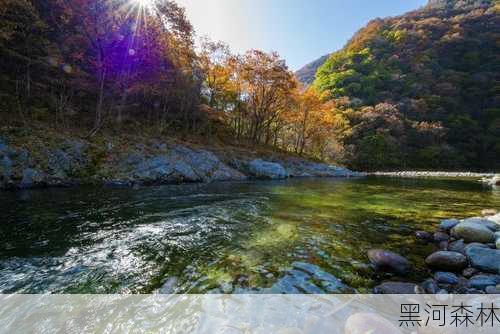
306, 74
424, 88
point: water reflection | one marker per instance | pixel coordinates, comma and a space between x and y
298, 236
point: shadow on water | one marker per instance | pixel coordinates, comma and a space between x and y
296, 236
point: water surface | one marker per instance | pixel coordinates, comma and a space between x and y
296, 236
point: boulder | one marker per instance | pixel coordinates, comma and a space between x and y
205, 164
446, 260
363, 322
266, 170
388, 261
483, 281
484, 259
448, 224
471, 231
490, 224
446, 278
457, 246
396, 288
493, 290
440, 236
32, 178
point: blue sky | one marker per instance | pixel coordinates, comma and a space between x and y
300, 30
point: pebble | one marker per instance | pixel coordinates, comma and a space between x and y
446, 278
445, 260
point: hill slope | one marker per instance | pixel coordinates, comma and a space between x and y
426, 87
306, 74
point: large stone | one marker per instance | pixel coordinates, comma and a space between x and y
490, 224
483, 258
362, 323
206, 165
388, 261
396, 288
446, 278
472, 231
32, 178
457, 246
445, 260
448, 224
482, 281
440, 237
266, 170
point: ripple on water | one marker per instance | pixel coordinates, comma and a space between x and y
297, 236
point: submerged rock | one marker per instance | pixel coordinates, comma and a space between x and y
457, 246
440, 237
388, 261
448, 224
396, 288
483, 281
32, 178
484, 258
446, 278
430, 286
446, 260
362, 323
472, 231
493, 290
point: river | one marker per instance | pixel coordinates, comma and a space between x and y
295, 236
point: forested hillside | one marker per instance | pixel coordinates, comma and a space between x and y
133, 67
421, 90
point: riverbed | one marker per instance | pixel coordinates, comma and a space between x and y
294, 236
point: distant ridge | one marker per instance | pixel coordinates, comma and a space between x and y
306, 74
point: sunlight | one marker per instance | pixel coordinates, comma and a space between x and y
145, 3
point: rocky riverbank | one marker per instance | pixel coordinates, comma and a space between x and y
74, 162
415, 174
466, 260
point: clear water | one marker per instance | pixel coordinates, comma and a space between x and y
296, 236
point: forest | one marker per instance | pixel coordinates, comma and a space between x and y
126, 65
417, 91
421, 91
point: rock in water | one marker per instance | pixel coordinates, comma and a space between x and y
388, 261
362, 323
482, 281
448, 224
446, 278
445, 260
485, 259
31, 178
396, 288
457, 246
440, 236
474, 232
267, 170
490, 224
